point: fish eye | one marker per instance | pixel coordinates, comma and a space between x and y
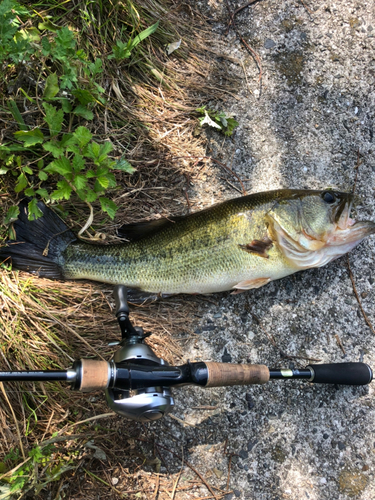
329, 197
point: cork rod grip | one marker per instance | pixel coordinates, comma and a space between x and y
94, 375
222, 374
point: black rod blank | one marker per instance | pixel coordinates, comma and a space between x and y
34, 376
282, 374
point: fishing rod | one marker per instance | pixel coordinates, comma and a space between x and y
138, 384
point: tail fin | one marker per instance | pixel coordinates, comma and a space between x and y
39, 243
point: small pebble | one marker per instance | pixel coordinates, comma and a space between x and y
251, 444
218, 473
269, 44
226, 357
250, 401
208, 328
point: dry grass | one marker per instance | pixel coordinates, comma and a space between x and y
150, 118
46, 325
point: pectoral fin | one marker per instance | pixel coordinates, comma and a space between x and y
258, 247
242, 286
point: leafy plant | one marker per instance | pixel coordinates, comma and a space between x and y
70, 91
82, 164
46, 457
15, 43
123, 50
217, 119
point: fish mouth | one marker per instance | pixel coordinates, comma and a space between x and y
349, 231
341, 217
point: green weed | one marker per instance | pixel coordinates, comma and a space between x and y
217, 119
123, 50
47, 458
58, 156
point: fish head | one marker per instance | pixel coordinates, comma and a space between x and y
314, 227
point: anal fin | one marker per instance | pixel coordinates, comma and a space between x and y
258, 247
242, 286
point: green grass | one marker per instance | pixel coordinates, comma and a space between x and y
57, 156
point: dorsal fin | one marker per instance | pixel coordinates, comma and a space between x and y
139, 230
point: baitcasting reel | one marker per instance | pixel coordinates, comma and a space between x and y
138, 384
143, 404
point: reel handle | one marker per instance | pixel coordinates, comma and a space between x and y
120, 294
128, 331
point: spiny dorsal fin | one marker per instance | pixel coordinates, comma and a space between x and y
139, 230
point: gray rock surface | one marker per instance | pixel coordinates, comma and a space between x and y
302, 128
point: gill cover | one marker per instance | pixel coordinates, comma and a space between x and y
305, 223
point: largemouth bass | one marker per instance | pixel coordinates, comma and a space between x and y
239, 244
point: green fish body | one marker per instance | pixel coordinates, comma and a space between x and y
239, 244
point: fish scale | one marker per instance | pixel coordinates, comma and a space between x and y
197, 254
239, 244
